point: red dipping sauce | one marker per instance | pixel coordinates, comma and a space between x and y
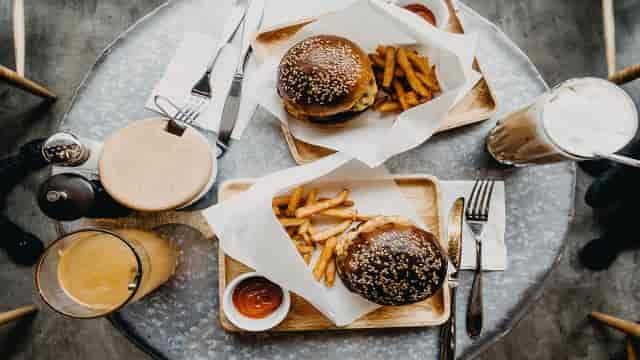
257, 297
423, 12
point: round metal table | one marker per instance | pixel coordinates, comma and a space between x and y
180, 320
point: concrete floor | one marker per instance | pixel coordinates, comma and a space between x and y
563, 38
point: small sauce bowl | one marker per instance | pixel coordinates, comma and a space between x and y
439, 9
248, 323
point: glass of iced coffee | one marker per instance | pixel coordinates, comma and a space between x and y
580, 119
94, 272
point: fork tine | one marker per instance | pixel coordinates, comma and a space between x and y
184, 109
479, 198
194, 111
473, 199
482, 206
488, 204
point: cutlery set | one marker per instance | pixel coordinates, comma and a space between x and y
247, 18
476, 214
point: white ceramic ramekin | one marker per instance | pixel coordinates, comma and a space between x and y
247, 323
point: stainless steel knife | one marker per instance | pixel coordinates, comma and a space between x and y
454, 234
232, 103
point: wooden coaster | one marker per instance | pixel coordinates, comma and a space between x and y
146, 168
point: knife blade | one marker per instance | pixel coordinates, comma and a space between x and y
454, 250
455, 234
230, 28
251, 26
231, 106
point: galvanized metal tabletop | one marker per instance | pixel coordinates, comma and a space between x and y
180, 320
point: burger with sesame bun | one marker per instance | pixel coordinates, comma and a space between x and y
326, 79
390, 261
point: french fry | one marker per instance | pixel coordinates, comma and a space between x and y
307, 258
291, 231
378, 67
291, 222
294, 200
389, 106
307, 239
397, 86
381, 50
304, 227
341, 213
389, 66
304, 249
311, 197
377, 60
419, 62
332, 231
346, 203
415, 84
276, 210
330, 274
411, 98
429, 80
307, 211
280, 200
325, 257
311, 230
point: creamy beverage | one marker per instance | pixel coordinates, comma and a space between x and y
574, 121
93, 272
97, 269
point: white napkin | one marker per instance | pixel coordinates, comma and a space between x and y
250, 233
494, 251
375, 137
188, 65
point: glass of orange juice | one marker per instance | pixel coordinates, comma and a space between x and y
93, 272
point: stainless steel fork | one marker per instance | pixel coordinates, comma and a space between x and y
477, 215
201, 91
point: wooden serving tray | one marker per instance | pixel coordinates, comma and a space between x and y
478, 105
423, 191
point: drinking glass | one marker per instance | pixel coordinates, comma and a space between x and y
93, 272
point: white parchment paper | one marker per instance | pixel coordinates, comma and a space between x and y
249, 232
374, 137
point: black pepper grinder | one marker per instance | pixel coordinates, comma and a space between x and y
62, 149
67, 197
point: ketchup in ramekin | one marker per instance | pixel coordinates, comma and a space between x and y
256, 297
423, 12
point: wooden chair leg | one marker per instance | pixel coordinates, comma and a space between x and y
626, 75
627, 327
631, 352
19, 35
16, 80
12, 315
609, 35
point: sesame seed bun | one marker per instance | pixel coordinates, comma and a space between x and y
390, 261
325, 79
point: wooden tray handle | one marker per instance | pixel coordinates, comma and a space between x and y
9, 316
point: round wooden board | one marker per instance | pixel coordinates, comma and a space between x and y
146, 168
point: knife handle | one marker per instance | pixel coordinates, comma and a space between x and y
474, 311
448, 332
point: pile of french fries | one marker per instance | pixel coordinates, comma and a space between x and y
298, 214
406, 79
